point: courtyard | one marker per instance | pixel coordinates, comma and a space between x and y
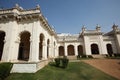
91, 69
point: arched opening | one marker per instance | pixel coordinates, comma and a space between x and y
41, 46
80, 50
2, 36
61, 51
109, 49
94, 49
71, 50
24, 46
48, 45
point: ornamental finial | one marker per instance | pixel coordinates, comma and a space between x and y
16, 5
83, 28
98, 27
38, 6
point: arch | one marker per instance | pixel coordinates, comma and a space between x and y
48, 45
70, 49
94, 49
41, 38
61, 51
109, 49
80, 50
2, 37
24, 46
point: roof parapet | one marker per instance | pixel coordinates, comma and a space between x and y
98, 28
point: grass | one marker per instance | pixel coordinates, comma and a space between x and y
74, 71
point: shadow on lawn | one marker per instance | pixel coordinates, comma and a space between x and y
54, 65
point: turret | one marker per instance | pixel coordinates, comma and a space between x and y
98, 28
38, 7
83, 28
115, 27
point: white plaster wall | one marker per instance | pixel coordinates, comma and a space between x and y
9, 45
87, 45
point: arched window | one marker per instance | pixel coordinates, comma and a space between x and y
71, 50
94, 49
109, 49
41, 38
80, 50
2, 36
24, 46
61, 51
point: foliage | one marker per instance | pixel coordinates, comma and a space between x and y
5, 69
78, 56
90, 56
83, 56
57, 61
61, 61
113, 56
64, 62
117, 55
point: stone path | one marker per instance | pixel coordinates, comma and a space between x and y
109, 66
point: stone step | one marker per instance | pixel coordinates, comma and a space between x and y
72, 57
99, 56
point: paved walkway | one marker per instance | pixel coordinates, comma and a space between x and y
109, 66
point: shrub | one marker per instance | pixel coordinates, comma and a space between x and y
90, 56
57, 62
110, 55
107, 55
117, 55
84, 56
78, 56
5, 69
64, 62
61, 62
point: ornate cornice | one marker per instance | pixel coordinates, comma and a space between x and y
20, 15
88, 34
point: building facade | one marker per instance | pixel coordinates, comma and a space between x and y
90, 42
26, 37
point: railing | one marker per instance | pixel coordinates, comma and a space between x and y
7, 11
30, 12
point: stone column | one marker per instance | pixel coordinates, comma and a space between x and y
9, 49
34, 50
44, 51
87, 45
50, 51
102, 46
65, 49
34, 43
54, 51
5, 51
118, 42
17, 42
117, 36
76, 50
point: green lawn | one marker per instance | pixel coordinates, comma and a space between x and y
75, 71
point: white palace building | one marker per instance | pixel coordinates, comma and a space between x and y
27, 40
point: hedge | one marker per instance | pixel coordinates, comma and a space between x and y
61, 62
5, 69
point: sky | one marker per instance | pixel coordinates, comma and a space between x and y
68, 16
